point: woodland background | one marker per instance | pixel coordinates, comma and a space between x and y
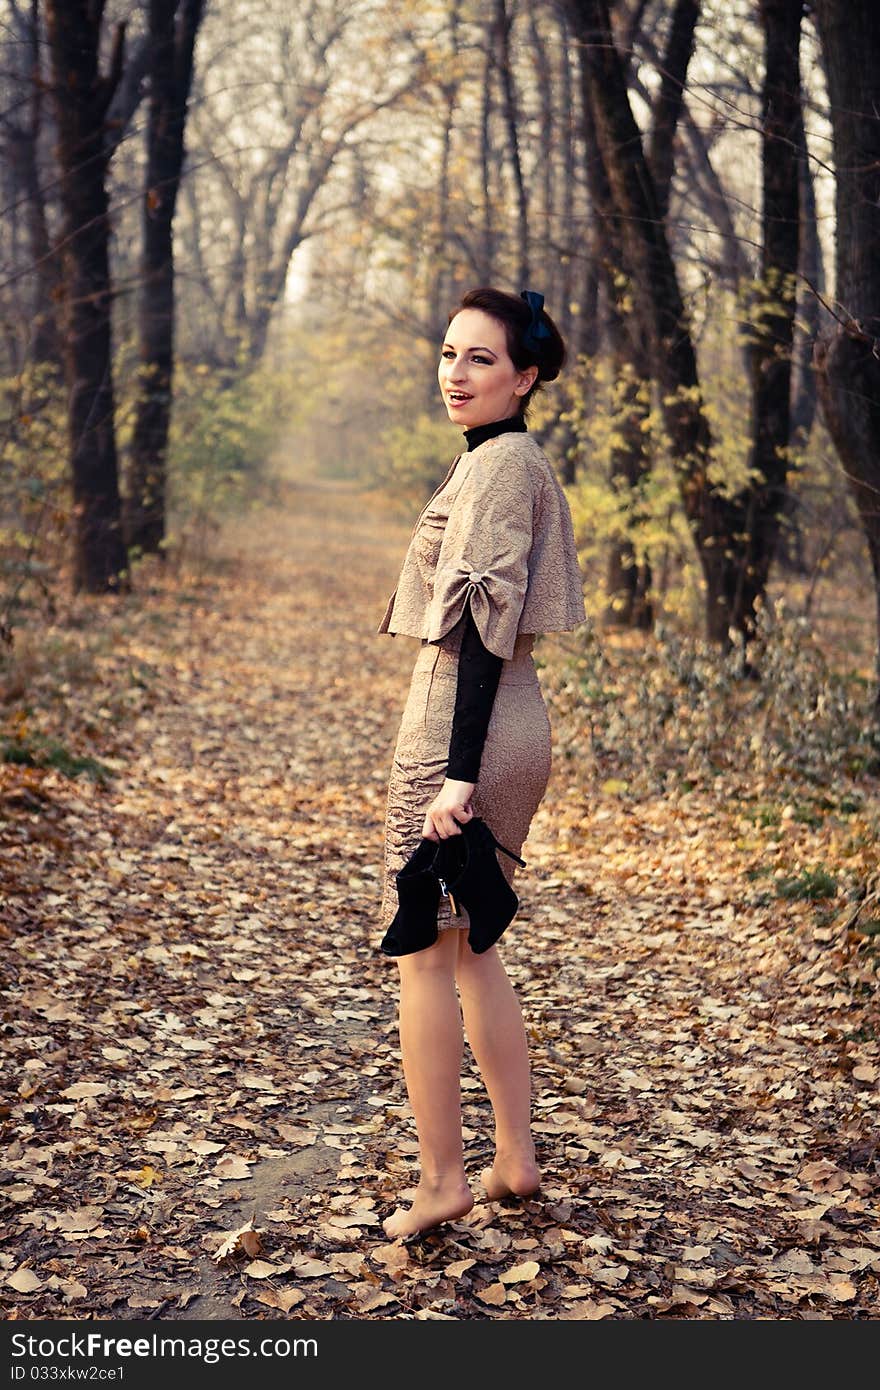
232, 234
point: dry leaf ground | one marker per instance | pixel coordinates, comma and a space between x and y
199, 1032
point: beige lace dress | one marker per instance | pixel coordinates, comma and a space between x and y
497, 535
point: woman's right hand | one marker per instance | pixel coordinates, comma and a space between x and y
451, 808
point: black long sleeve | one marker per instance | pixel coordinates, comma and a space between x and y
479, 672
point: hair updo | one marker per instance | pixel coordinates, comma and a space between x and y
548, 353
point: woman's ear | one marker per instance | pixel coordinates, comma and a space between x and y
526, 381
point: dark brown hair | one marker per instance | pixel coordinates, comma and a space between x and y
515, 315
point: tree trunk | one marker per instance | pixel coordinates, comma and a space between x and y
46, 344
567, 178
670, 99
791, 550
81, 95
547, 134
487, 240
440, 270
848, 358
173, 28
773, 332
811, 284
501, 48
21, 126
629, 580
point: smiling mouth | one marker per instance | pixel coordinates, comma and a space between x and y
458, 397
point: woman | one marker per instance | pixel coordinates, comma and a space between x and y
491, 563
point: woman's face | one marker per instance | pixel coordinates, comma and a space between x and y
478, 380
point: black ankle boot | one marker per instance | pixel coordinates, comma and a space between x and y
418, 891
475, 880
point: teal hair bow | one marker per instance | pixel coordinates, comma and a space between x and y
537, 332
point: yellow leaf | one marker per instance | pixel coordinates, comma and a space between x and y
614, 787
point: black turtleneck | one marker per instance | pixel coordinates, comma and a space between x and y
514, 424
479, 670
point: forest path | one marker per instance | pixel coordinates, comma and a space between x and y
204, 1032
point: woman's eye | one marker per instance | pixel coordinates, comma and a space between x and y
484, 361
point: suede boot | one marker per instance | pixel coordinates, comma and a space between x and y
418, 891
474, 879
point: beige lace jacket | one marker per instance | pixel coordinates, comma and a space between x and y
497, 532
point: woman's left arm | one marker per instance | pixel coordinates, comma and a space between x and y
481, 579
479, 672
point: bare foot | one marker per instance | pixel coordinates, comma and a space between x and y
511, 1177
431, 1207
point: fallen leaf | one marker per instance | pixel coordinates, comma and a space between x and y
520, 1274
70, 1289
282, 1299
682, 1294
246, 1238
311, 1269
261, 1269
601, 1244
394, 1256
82, 1219
375, 1299
232, 1167
81, 1090
588, 1310
842, 1290
295, 1134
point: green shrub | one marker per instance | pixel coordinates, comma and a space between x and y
37, 751
659, 708
35, 505
224, 429
413, 459
810, 884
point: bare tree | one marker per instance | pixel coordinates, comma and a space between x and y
734, 536
82, 94
848, 356
21, 135
173, 27
323, 73
450, 84
770, 356
501, 26
629, 577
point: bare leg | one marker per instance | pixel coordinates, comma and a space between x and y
494, 1024
431, 1045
